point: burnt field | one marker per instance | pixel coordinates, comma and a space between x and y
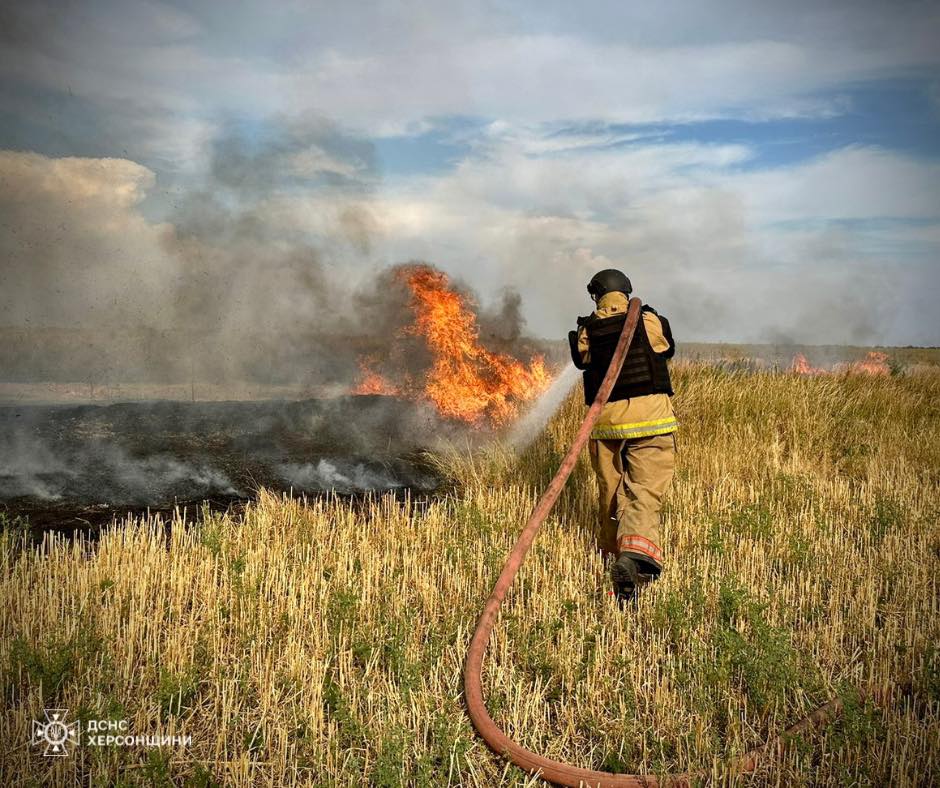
71, 459
78, 466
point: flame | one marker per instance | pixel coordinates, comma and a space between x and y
874, 363
371, 382
801, 366
465, 380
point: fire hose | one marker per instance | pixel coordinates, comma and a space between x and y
546, 768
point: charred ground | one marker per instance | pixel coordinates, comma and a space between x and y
73, 466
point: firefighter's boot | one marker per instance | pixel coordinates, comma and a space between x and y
626, 577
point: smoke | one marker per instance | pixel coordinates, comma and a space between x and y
157, 453
503, 324
397, 353
342, 475
162, 477
29, 468
253, 290
231, 287
729, 248
260, 272
110, 475
102, 473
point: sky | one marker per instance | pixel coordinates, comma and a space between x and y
762, 171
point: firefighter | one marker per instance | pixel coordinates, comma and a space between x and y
633, 443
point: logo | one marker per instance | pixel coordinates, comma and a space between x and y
55, 732
58, 735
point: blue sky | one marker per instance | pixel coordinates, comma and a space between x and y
900, 114
762, 171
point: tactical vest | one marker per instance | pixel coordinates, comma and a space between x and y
644, 370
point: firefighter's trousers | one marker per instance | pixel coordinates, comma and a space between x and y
633, 476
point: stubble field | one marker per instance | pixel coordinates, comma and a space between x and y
322, 642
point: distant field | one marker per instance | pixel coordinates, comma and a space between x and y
19, 382
322, 643
783, 355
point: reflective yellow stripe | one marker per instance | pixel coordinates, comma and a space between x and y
652, 423
636, 429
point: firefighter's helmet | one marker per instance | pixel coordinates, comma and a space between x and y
610, 280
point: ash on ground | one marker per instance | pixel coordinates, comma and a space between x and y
73, 466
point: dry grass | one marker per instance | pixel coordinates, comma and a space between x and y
322, 643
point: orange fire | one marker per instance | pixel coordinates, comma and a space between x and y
802, 367
372, 382
874, 363
465, 381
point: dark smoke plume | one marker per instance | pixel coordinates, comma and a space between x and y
260, 276
253, 291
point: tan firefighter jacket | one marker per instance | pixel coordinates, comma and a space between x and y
636, 417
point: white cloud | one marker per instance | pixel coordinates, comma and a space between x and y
386, 69
724, 251
733, 251
526, 79
541, 199
850, 183
75, 249
314, 160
